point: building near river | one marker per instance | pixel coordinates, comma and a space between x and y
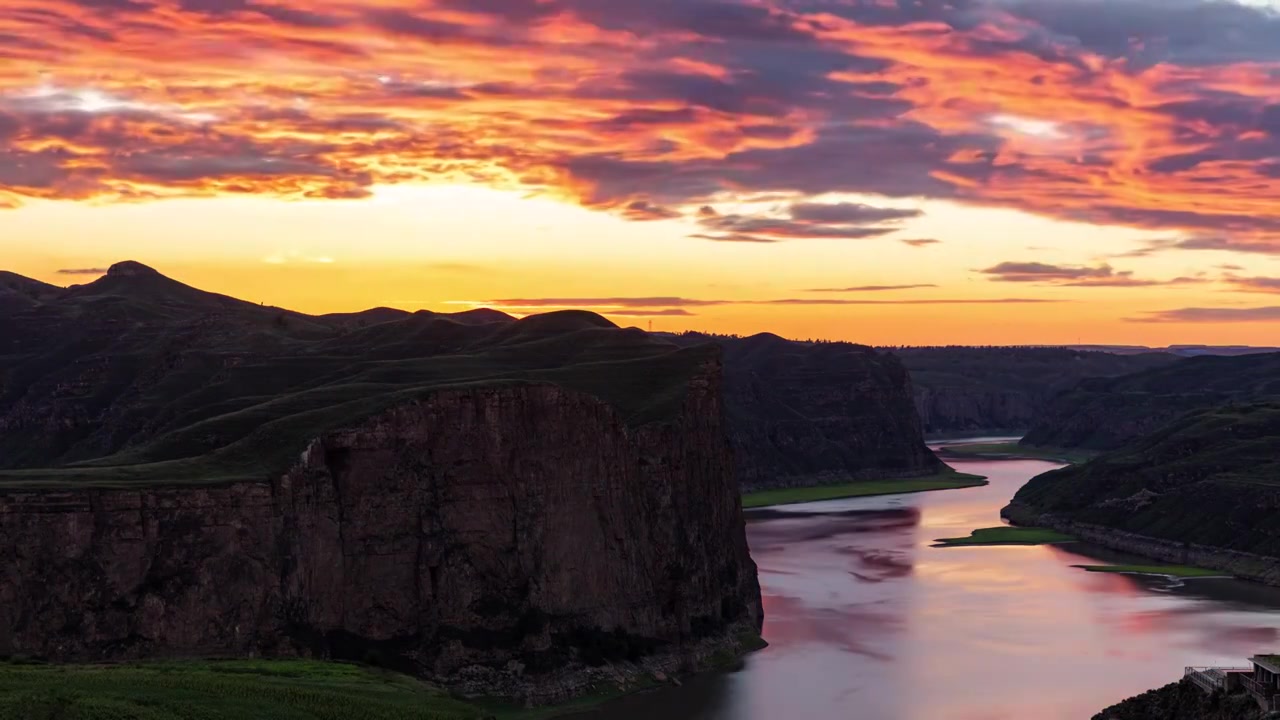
1261, 680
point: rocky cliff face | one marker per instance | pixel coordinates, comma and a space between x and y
1107, 413
1184, 701
975, 410
501, 540
814, 413
1003, 389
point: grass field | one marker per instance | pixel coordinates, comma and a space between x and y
1006, 535
221, 690
949, 480
1012, 451
1180, 571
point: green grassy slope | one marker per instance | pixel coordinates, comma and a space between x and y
947, 480
136, 378
1211, 477
1107, 413
221, 690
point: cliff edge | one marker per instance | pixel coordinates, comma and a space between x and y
530, 509
817, 413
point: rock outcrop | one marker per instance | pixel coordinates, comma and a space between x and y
519, 508
806, 413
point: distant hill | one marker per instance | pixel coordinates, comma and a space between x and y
137, 376
808, 413
1195, 491
1003, 389
1179, 350
1106, 413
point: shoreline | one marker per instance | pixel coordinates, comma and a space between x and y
1239, 565
951, 480
1012, 451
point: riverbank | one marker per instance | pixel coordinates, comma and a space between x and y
1006, 535
1014, 451
949, 480
1182, 572
1246, 566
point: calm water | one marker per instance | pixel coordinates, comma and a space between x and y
866, 621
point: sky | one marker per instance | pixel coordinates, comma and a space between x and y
882, 171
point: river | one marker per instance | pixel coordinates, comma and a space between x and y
866, 621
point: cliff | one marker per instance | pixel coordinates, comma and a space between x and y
1105, 414
805, 413
1184, 701
1002, 389
520, 508
1202, 491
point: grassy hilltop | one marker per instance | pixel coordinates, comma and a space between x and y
137, 378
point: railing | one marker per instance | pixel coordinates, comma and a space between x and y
1210, 679
1266, 693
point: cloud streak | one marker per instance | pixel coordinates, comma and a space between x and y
1074, 276
1266, 314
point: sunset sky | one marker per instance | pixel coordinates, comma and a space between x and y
884, 171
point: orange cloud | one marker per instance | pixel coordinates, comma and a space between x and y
654, 109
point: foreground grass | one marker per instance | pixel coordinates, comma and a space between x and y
1180, 571
949, 480
1014, 451
218, 690
1006, 536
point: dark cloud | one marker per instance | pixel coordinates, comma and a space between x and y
1074, 276
1211, 315
718, 19
850, 213
945, 301
123, 6
641, 210
1043, 272
630, 302
1149, 32
749, 228
9, 126
668, 312
902, 160
83, 271
1267, 245
680, 302
410, 25
298, 17
649, 117
869, 288
919, 242
1255, 284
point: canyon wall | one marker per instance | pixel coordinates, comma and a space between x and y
814, 413
969, 390
501, 540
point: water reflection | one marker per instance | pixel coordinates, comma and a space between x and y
867, 621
